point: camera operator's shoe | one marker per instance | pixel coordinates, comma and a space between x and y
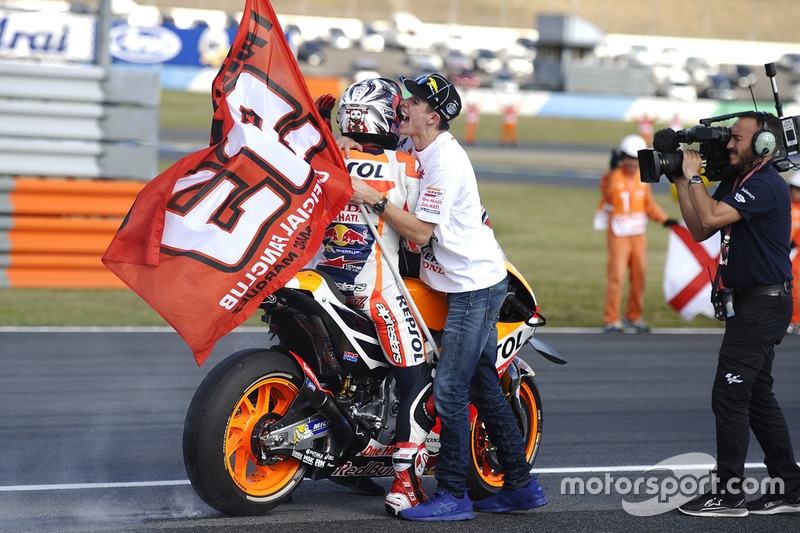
521, 499
614, 327
710, 504
774, 504
638, 326
793, 329
406, 492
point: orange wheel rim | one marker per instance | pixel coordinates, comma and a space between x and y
483, 455
268, 397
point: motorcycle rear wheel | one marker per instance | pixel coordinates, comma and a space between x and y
483, 475
238, 396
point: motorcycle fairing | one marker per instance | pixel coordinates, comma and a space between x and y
375, 460
365, 345
546, 351
511, 337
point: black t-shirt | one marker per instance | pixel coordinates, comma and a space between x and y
759, 246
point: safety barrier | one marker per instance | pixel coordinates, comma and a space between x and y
53, 232
75, 130
78, 121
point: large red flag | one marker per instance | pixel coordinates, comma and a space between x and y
207, 239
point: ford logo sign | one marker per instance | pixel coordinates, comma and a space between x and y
144, 45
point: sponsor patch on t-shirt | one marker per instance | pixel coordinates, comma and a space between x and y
431, 201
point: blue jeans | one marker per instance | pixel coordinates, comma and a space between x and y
466, 371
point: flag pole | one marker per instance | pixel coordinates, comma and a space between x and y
433, 348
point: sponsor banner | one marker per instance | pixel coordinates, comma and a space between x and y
67, 37
46, 35
168, 45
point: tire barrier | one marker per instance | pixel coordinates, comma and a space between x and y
53, 232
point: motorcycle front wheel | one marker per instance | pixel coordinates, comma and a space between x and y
240, 395
483, 475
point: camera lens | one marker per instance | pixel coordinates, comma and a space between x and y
672, 164
653, 164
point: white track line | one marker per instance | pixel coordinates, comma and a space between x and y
250, 329
177, 482
89, 486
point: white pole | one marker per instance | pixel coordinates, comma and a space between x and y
433, 349
102, 53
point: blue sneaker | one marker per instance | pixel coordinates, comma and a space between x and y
522, 499
440, 506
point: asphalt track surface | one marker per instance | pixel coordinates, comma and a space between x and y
91, 424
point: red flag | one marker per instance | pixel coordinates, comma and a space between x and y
207, 239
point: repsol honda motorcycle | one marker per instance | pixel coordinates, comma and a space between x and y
322, 402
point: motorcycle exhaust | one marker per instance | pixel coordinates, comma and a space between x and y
324, 403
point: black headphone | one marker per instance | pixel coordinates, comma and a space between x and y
764, 142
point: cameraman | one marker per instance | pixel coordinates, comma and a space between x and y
751, 209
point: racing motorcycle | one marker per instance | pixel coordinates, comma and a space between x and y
321, 402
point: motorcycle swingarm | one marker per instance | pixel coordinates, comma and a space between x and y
294, 435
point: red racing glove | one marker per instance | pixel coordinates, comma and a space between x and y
325, 105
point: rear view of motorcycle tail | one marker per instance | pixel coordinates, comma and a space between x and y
319, 401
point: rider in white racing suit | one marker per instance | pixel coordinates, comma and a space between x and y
368, 114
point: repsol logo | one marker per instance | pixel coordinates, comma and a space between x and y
366, 169
510, 345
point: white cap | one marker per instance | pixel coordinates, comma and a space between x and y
795, 181
631, 144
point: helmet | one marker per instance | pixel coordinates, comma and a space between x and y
368, 112
794, 181
631, 144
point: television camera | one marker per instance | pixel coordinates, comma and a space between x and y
666, 158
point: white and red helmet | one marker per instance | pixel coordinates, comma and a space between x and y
368, 112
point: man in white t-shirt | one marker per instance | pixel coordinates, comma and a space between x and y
461, 258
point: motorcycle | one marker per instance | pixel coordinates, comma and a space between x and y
321, 402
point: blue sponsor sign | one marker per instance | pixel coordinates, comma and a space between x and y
198, 46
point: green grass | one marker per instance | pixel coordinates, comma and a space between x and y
545, 231
186, 111
192, 112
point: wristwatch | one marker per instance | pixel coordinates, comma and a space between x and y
380, 205
695, 179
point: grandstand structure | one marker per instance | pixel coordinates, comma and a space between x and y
752, 20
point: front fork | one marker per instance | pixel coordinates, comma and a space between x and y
510, 381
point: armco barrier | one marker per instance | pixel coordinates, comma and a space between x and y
78, 121
74, 127
53, 232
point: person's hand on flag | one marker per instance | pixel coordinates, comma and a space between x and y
325, 105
